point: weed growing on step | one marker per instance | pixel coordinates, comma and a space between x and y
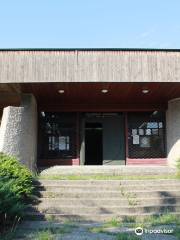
114, 222
131, 197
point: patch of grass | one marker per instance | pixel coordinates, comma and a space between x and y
107, 177
126, 236
113, 223
50, 218
129, 219
66, 228
177, 232
49, 233
164, 219
101, 229
133, 222
44, 235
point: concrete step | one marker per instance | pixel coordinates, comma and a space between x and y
109, 170
35, 216
109, 194
102, 200
119, 201
160, 182
78, 210
119, 187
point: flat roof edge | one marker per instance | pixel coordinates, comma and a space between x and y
92, 49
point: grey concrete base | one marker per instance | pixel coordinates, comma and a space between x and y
109, 170
18, 132
173, 131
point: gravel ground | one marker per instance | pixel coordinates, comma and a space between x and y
83, 232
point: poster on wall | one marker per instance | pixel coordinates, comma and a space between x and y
136, 139
141, 131
134, 132
62, 143
145, 142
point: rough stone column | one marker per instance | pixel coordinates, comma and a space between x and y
18, 132
173, 131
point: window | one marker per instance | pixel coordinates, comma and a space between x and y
146, 135
57, 135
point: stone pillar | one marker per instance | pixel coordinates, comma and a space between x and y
18, 132
173, 131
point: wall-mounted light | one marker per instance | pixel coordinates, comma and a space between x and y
61, 91
145, 91
104, 91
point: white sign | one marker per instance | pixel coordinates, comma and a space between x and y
136, 139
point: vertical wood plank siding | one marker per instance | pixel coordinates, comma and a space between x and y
89, 66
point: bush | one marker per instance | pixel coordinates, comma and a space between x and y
10, 204
12, 169
16, 188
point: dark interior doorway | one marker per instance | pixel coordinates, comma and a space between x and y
93, 143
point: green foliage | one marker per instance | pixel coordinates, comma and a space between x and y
177, 232
10, 203
126, 236
44, 235
16, 187
11, 169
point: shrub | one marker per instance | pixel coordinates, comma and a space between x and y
16, 187
11, 206
12, 169
10, 203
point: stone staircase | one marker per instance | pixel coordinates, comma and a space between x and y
102, 200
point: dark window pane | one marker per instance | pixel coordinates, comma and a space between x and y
57, 135
149, 141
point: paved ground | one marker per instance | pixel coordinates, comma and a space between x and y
88, 232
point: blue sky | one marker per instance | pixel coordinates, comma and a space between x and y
89, 23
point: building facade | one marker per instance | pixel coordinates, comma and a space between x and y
90, 106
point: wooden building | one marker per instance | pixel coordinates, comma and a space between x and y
90, 106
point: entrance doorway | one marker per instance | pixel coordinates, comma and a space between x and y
93, 143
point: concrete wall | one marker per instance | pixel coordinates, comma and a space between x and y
173, 131
18, 132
